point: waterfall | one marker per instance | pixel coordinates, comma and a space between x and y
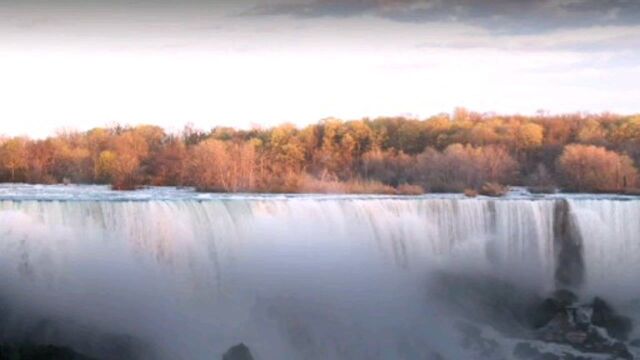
295, 277
610, 231
205, 238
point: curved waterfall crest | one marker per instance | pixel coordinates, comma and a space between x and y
404, 232
541, 235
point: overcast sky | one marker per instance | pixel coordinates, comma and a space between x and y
85, 63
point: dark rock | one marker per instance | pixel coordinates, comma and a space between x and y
576, 337
557, 328
621, 351
575, 357
588, 328
635, 343
122, 347
596, 343
570, 263
435, 356
604, 316
238, 352
38, 352
565, 297
543, 313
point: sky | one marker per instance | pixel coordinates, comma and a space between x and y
78, 64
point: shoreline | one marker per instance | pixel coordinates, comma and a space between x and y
75, 192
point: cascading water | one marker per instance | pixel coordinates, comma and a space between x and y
610, 231
301, 277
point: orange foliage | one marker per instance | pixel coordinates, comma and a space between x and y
593, 168
465, 150
464, 166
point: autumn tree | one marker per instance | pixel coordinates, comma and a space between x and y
168, 164
626, 131
210, 166
594, 168
72, 159
592, 132
464, 166
283, 162
40, 159
388, 167
130, 149
330, 153
13, 158
439, 131
97, 141
526, 136
106, 167
446, 152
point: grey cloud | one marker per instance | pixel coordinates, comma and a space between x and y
317, 8
498, 16
609, 25
509, 16
620, 43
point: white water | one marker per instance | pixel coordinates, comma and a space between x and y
610, 231
294, 277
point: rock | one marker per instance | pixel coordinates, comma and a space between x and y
581, 316
604, 316
635, 343
576, 337
621, 351
568, 242
38, 352
542, 314
238, 352
551, 307
593, 328
565, 297
575, 357
595, 342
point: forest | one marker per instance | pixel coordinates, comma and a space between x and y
460, 152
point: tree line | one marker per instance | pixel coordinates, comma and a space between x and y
445, 153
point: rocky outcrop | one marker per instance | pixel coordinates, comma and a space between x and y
592, 327
570, 263
38, 352
549, 308
238, 352
604, 316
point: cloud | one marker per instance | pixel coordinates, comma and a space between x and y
589, 39
521, 25
501, 16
